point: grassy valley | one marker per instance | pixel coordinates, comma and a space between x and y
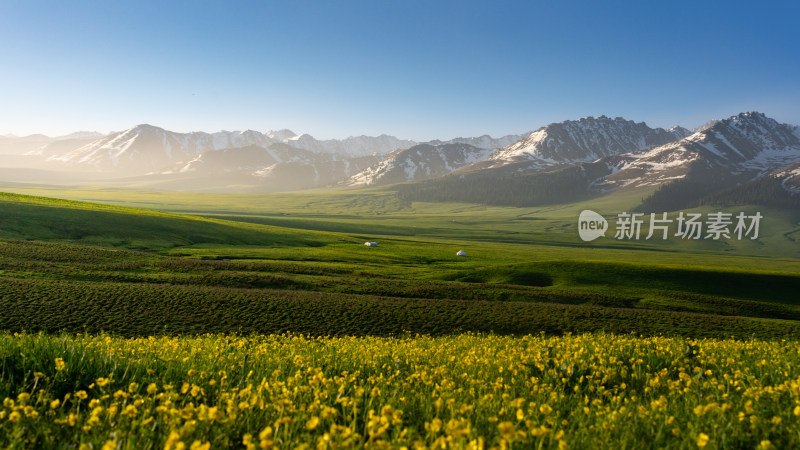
307, 270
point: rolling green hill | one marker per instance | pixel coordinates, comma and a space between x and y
69, 265
380, 212
39, 218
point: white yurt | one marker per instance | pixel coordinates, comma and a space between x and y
461, 253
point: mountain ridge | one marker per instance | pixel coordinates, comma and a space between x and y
732, 151
604, 154
585, 140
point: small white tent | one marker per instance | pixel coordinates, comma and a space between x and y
461, 253
371, 244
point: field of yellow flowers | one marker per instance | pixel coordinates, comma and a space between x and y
463, 391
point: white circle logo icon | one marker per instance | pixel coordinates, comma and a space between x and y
591, 225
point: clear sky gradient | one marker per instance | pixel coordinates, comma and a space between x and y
414, 69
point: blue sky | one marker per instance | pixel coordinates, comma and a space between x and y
414, 69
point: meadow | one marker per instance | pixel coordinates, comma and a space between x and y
182, 320
78, 266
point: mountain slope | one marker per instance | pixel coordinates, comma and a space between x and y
740, 147
146, 148
249, 158
718, 157
352, 146
279, 167
16, 145
420, 162
583, 140
149, 149
47, 219
485, 142
789, 177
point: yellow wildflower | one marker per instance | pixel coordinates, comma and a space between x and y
198, 445
507, 430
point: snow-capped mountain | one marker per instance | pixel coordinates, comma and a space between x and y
736, 159
81, 135
278, 167
226, 160
747, 145
600, 154
64, 144
281, 135
420, 162
680, 132
325, 170
148, 149
583, 140
351, 146
256, 160
485, 142
31, 151
19, 145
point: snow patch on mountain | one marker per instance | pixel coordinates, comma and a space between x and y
585, 140
485, 142
680, 132
749, 144
351, 146
146, 148
420, 162
281, 135
84, 135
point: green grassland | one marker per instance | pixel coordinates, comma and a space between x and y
379, 212
139, 263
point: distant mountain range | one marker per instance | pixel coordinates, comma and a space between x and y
579, 159
720, 161
556, 145
148, 149
584, 140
